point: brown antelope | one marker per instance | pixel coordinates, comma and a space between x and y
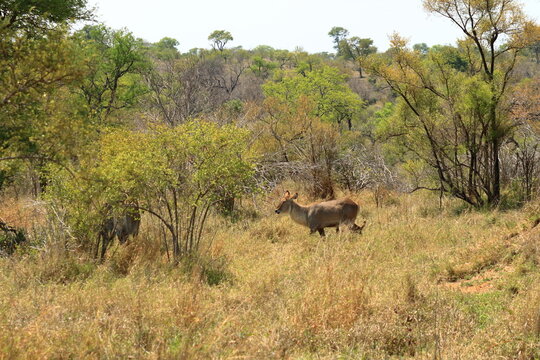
318, 216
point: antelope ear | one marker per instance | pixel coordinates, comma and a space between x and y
287, 194
295, 196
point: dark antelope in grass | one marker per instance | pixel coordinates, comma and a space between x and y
121, 226
316, 217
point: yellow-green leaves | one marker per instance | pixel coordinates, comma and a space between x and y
195, 158
170, 171
447, 114
31, 69
219, 39
325, 88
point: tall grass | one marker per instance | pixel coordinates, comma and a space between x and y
421, 282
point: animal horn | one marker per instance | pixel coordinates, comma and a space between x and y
363, 225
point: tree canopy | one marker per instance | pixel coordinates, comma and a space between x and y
333, 100
220, 38
35, 16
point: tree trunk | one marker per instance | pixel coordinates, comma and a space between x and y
176, 248
495, 162
496, 179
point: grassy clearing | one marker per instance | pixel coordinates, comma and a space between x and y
419, 283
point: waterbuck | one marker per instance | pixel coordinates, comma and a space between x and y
316, 217
121, 226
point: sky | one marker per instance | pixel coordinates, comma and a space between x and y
282, 24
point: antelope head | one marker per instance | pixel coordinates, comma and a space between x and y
285, 203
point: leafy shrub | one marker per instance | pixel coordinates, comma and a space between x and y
177, 175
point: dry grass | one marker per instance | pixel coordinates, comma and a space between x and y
266, 289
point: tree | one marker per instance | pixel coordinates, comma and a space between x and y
264, 51
283, 58
37, 61
421, 48
359, 49
304, 62
165, 48
114, 58
354, 48
338, 35
184, 87
35, 17
453, 56
177, 175
225, 72
496, 31
525, 102
454, 121
219, 39
167, 43
32, 70
179, 89
525, 110
304, 112
261, 67
325, 87
295, 143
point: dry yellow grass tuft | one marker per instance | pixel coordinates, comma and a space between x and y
263, 288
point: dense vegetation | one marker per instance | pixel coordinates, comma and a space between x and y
439, 145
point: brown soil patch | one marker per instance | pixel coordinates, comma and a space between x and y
480, 283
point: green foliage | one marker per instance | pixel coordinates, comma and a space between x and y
197, 158
261, 67
36, 16
325, 87
264, 51
450, 113
357, 48
233, 108
483, 307
165, 49
282, 57
382, 119
31, 70
455, 57
354, 48
186, 170
303, 62
44, 117
421, 48
114, 59
168, 43
338, 35
219, 39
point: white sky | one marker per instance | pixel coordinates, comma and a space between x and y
282, 24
